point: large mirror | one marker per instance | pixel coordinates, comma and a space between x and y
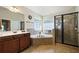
12, 25
11, 21
17, 25
5, 26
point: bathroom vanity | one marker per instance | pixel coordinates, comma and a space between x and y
14, 42
12, 35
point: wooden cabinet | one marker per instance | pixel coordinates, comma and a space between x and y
28, 37
1, 46
24, 41
10, 46
15, 43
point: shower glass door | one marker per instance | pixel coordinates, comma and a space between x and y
70, 26
58, 29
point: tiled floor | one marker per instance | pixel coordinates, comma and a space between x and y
58, 48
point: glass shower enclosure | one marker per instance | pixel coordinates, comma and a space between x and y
66, 28
58, 28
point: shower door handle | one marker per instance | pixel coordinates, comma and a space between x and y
76, 29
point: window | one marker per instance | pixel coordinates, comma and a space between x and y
44, 25
37, 25
48, 25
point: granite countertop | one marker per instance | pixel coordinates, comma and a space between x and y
9, 33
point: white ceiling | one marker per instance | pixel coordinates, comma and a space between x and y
46, 10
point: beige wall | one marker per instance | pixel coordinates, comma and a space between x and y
34, 15
27, 12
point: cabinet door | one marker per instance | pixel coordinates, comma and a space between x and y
11, 46
1, 46
28, 41
23, 43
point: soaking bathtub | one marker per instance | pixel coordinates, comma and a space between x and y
42, 39
42, 36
